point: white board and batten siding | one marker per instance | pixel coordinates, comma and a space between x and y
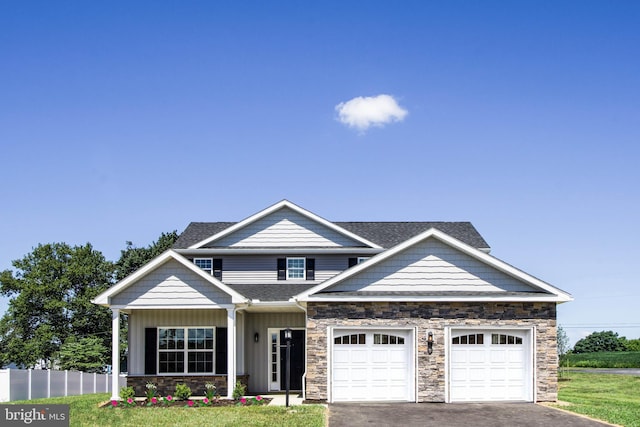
432, 266
170, 285
141, 319
285, 228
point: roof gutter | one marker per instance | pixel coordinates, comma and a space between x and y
278, 251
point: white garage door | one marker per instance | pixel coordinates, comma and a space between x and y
490, 365
372, 365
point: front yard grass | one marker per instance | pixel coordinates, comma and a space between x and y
84, 411
608, 397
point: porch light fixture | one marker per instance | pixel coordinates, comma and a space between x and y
287, 339
256, 337
430, 342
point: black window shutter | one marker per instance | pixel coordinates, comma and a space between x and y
150, 342
352, 262
221, 350
311, 268
282, 268
217, 268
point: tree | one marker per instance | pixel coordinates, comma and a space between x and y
86, 354
633, 345
563, 349
563, 342
51, 292
132, 258
600, 341
50, 299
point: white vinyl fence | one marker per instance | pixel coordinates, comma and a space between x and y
27, 384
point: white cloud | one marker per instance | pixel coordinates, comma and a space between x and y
363, 112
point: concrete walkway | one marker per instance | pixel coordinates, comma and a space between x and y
281, 399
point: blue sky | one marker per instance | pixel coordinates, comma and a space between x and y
121, 120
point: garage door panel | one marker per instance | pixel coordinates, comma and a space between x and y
380, 356
341, 374
398, 356
398, 374
459, 357
497, 356
516, 356
476, 356
478, 374
358, 357
341, 356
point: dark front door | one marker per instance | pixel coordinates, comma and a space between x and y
297, 360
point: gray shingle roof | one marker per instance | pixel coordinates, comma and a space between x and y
389, 234
271, 292
198, 231
385, 234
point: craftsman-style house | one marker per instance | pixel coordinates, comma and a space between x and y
377, 311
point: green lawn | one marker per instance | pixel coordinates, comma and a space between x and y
618, 359
84, 411
609, 397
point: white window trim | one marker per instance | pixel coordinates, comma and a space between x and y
185, 350
362, 259
304, 268
208, 270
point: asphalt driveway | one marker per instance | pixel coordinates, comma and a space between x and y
453, 415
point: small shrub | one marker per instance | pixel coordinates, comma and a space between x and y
151, 390
127, 393
238, 390
183, 392
210, 391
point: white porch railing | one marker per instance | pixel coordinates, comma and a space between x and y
27, 384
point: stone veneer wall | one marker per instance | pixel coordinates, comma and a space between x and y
167, 383
432, 317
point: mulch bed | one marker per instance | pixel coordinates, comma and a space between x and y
197, 403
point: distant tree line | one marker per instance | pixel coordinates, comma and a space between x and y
605, 341
50, 321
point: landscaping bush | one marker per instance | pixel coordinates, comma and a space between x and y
238, 390
183, 391
127, 393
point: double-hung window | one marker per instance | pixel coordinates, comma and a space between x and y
204, 263
295, 268
185, 350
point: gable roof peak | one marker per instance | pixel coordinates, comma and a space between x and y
274, 208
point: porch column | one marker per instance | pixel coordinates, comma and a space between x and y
115, 353
231, 351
